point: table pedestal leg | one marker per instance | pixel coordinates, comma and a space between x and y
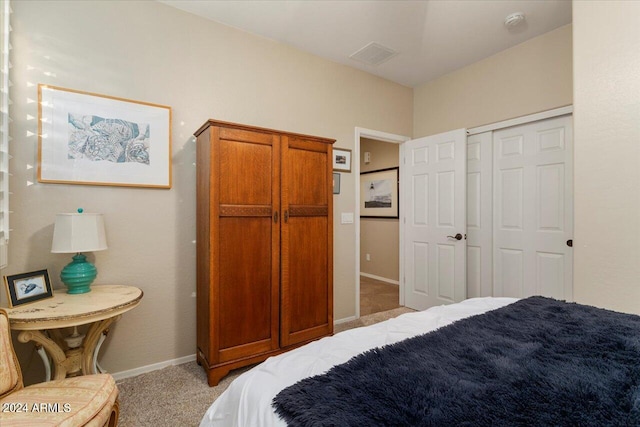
56, 353
45, 361
92, 343
96, 365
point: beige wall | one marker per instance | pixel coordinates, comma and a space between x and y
606, 47
147, 51
380, 238
530, 77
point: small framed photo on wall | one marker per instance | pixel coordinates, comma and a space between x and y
341, 160
28, 287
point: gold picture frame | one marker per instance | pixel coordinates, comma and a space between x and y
91, 139
341, 160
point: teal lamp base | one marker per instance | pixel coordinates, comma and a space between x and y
78, 275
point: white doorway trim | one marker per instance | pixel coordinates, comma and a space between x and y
394, 139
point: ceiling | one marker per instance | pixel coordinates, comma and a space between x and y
431, 37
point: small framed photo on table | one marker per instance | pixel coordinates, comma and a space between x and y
28, 287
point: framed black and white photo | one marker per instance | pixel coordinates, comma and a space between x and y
86, 138
341, 160
28, 287
379, 194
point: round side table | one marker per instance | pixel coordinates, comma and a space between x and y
44, 322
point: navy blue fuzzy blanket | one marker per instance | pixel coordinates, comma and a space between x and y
537, 362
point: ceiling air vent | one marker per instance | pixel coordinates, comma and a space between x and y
373, 54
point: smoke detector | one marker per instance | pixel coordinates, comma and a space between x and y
513, 19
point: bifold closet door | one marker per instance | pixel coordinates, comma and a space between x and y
479, 215
307, 236
246, 235
533, 209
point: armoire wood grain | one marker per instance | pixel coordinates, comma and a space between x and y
265, 243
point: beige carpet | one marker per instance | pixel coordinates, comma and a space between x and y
179, 395
376, 296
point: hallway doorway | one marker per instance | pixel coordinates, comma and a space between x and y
378, 239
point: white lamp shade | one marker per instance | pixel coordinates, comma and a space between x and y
78, 232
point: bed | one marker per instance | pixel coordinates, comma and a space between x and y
302, 381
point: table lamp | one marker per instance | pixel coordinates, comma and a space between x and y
77, 233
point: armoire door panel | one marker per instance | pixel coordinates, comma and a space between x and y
245, 173
246, 276
307, 281
307, 180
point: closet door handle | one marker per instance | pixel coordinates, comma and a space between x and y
457, 236
286, 216
275, 217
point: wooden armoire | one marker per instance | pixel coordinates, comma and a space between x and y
264, 243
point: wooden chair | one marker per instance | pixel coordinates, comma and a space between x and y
90, 400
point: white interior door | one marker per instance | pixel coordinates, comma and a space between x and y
533, 209
479, 215
434, 174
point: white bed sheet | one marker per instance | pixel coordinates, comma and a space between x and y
247, 400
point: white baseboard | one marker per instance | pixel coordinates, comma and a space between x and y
382, 279
345, 320
179, 361
153, 367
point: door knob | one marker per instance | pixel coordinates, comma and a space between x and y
457, 236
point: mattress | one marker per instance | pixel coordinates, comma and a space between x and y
247, 400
